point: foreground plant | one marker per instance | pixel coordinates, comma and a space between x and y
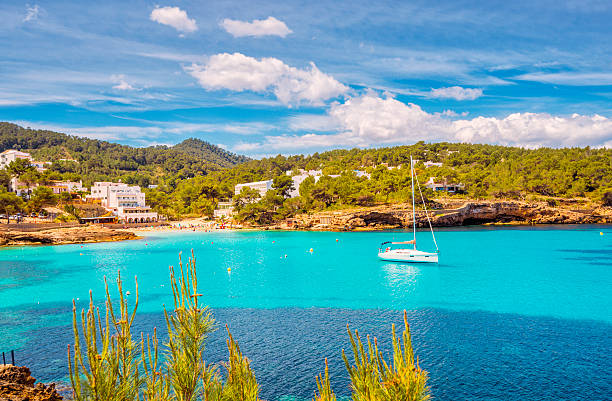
107, 364
111, 366
373, 379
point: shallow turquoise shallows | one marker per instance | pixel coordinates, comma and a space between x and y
553, 271
563, 273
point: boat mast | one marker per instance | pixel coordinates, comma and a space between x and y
413, 211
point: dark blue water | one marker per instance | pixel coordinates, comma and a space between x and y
509, 314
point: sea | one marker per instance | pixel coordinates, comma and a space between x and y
509, 313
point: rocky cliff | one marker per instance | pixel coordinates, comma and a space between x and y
451, 214
70, 235
16, 384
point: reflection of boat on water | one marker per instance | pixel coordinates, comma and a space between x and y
387, 251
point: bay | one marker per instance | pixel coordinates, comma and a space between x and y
508, 313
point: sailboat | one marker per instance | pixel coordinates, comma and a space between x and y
403, 254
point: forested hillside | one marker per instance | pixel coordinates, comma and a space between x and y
194, 175
487, 171
96, 160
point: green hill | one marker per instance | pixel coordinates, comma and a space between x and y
99, 160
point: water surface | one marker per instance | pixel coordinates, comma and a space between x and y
509, 313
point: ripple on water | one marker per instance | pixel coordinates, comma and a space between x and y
469, 355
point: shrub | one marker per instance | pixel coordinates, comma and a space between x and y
107, 364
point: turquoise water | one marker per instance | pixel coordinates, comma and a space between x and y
545, 282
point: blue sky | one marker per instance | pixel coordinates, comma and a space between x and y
262, 78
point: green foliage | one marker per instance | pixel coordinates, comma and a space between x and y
95, 160
373, 379
188, 328
107, 368
19, 167
10, 203
324, 390
41, 197
112, 366
107, 364
283, 184
240, 384
72, 210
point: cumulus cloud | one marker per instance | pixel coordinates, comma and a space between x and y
121, 83
371, 120
32, 13
174, 17
259, 27
456, 92
290, 85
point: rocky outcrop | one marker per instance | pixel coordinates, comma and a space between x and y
16, 384
71, 235
449, 214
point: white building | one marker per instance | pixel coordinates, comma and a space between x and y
429, 163
260, 186
21, 188
224, 209
66, 186
127, 202
40, 166
444, 186
107, 194
9, 156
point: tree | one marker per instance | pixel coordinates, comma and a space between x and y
41, 197
283, 184
10, 203
247, 196
19, 166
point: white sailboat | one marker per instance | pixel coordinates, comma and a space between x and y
390, 253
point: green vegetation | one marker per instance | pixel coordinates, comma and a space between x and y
193, 176
93, 160
106, 363
487, 171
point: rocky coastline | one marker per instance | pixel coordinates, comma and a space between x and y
17, 384
64, 235
450, 214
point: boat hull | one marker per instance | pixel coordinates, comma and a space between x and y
408, 256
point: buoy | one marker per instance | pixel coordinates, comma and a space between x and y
285, 256
229, 269
336, 239
311, 250
601, 233
80, 254
127, 293
273, 242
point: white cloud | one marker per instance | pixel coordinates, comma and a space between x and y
456, 92
257, 28
569, 78
174, 17
32, 13
121, 83
290, 85
370, 120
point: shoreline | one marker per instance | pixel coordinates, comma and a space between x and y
448, 213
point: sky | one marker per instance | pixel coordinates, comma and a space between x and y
263, 78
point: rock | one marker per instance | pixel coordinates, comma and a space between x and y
68, 235
16, 384
451, 213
